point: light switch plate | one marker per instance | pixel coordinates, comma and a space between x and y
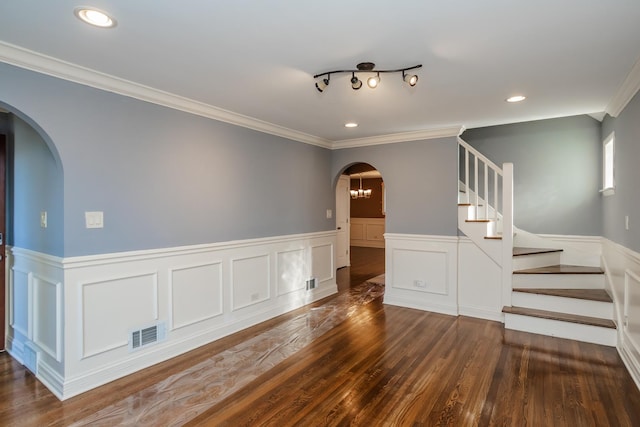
94, 219
329, 213
43, 219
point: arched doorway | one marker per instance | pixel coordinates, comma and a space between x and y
360, 224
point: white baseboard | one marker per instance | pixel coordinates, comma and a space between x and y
436, 308
481, 313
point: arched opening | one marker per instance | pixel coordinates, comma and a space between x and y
32, 201
360, 223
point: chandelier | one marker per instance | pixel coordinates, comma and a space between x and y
373, 81
360, 193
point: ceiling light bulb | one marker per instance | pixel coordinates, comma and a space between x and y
373, 81
322, 85
516, 98
355, 82
411, 79
95, 17
351, 124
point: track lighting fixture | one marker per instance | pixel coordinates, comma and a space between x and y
372, 81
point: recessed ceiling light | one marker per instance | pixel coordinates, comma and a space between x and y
351, 125
94, 17
516, 98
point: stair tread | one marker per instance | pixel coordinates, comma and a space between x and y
599, 295
477, 220
552, 315
561, 269
520, 251
493, 237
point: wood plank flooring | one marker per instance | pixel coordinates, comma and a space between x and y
381, 366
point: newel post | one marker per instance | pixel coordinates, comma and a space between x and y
507, 232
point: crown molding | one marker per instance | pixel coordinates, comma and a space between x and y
43, 64
48, 65
397, 137
626, 92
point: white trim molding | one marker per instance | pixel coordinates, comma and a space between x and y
622, 268
201, 292
421, 272
40, 63
626, 92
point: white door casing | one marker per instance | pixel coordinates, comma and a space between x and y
343, 208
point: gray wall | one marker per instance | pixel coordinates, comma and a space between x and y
165, 178
626, 200
420, 181
36, 185
557, 172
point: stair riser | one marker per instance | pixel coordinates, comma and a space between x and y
602, 310
524, 262
559, 281
560, 329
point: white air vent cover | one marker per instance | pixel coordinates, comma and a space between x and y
144, 337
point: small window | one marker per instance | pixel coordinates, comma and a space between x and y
608, 153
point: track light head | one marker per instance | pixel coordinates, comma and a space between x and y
322, 84
410, 79
355, 82
373, 81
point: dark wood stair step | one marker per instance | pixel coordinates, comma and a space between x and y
561, 269
599, 295
520, 251
493, 237
477, 220
552, 315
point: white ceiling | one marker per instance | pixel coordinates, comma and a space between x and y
256, 59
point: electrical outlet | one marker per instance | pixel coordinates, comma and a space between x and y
420, 284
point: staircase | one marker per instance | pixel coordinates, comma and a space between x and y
540, 294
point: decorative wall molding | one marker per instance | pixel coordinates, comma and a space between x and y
190, 289
626, 92
421, 272
397, 137
622, 268
367, 232
43, 64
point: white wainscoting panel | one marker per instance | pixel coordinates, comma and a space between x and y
112, 307
322, 262
622, 267
19, 301
250, 281
196, 293
479, 283
47, 316
367, 232
290, 267
421, 272
87, 306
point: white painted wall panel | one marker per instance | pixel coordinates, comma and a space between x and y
250, 281
428, 266
368, 232
322, 262
111, 308
479, 283
430, 259
19, 302
47, 321
196, 293
632, 308
291, 266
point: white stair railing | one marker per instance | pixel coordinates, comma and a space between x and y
492, 205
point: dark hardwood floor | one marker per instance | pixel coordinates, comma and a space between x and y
365, 364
